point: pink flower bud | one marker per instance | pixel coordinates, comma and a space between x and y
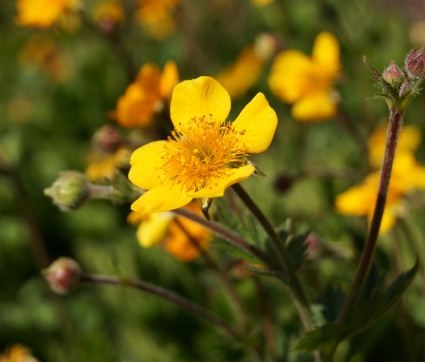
415, 62
108, 138
63, 275
393, 74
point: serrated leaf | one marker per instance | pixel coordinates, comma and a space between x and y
328, 337
297, 248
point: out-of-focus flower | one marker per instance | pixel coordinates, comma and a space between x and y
103, 165
409, 140
180, 237
41, 53
261, 2
407, 175
146, 96
63, 275
244, 73
157, 16
307, 82
207, 154
17, 353
415, 62
108, 14
41, 13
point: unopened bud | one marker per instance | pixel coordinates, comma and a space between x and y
108, 138
393, 74
265, 46
283, 183
415, 62
63, 275
69, 191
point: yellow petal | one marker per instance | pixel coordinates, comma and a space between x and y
161, 198
169, 78
326, 53
218, 186
199, 97
314, 108
290, 75
258, 122
146, 163
153, 231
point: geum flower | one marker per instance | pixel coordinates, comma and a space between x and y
206, 154
307, 82
182, 238
407, 175
41, 13
146, 96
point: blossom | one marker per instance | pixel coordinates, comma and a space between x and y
407, 175
206, 154
261, 2
41, 13
104, 165
146, 96
17, 353
239, 77
108, 13
307, 82
157, 16
176, 234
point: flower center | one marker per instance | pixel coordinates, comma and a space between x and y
201, 152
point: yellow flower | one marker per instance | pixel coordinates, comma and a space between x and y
262, 2
178, 238
244, 73
41, 13
406, 176
109, 12
17, 353
307, 82
157, 16
146, 96
104, 165
207, 154
409, 140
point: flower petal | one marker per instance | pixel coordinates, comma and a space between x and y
234, 176
169, 78
154, 229
161, 198
146, 164
258, 122
314, 108
198, 97
290, 76
326, 53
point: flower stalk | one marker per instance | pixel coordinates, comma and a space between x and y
292, 280
187, 305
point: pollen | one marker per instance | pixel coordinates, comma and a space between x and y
201, 152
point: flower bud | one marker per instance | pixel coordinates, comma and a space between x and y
283, 183
108, 138
69, 191
393, 74
415, 62
63, 275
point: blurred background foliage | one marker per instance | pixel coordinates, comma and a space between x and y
49, 110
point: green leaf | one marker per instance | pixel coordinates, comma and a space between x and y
297, 248
328, 337
266, 272
234, 250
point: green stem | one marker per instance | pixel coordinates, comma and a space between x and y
292, 280
368, 253
186, 304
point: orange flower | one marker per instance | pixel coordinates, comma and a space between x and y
157, 17
183, 239
108, 13
41, 13
104, 165
146, 96
17, 353
238, 78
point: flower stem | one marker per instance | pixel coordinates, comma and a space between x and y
189, 306
228, 235
292, 279
396, 120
